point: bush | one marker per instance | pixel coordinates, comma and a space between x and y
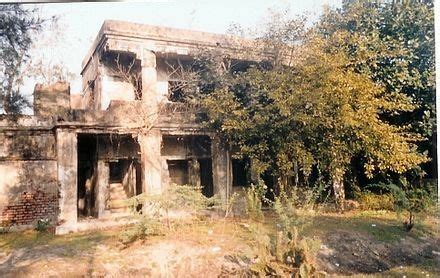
285, 255
254, 204
371, 201
410, 198
42, 225
184, 198
147, 226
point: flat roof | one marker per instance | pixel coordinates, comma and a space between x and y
124, 29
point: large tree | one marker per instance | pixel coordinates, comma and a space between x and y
17, 29
393, 42
314, 105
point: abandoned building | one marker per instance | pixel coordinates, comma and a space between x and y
80, 155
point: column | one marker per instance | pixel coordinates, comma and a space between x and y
152, 163
221, 168
101, 188
67, 179
194, 172
149, 77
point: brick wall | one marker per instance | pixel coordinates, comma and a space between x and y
29, 207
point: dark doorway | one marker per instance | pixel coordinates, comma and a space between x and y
206, 180
120, 152
138, 168
240, 172
178, 171
116, 171
86, 173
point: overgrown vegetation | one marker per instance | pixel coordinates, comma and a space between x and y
348, 101
410, 199
176, 203
42, 225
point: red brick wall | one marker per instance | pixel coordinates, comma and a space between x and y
28, 207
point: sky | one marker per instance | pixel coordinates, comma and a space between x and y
79, 23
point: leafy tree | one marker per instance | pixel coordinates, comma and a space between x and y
319, 111
393, 42
17, 28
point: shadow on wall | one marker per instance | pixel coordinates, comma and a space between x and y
28, 184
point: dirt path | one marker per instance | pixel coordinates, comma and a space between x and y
349, 253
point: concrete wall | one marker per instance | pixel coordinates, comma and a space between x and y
52, 100
28, 171
115, 89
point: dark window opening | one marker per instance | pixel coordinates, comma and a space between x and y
125, 67
206, 180
240, 172
176, 91
178, 171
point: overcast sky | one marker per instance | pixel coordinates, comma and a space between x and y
80, 22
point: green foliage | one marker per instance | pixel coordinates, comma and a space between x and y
147, 226
42, 225
342, 96
4, 229
254, 201
17, 28
413, 199
393, 43
175, 198
284, 255
372, 201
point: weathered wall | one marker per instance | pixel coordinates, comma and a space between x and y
67, 177
52, 100
115, 88
28, 171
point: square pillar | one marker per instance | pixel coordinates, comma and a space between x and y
67, 157
149, 78
152, 162
221, 168
101, 188
194, 172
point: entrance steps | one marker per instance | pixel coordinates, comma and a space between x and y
118, 199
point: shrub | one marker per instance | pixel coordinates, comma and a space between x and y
371, 201
254, 204
42, 225
286, 255
293, 208
413, 199
4, 230
147, 226
185, 198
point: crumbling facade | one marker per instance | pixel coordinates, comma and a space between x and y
81, 155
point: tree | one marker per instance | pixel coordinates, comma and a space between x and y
393, 42
17, 28
319, 110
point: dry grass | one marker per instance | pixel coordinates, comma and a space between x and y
201, 248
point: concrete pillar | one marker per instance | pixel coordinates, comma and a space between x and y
67, 179
221, 169
152, 162
194, 172
101, 188
149, 78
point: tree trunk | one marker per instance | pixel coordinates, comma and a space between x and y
338, 188
296, 174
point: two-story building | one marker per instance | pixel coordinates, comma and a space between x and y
80, 155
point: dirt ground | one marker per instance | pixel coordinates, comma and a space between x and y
352, 244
